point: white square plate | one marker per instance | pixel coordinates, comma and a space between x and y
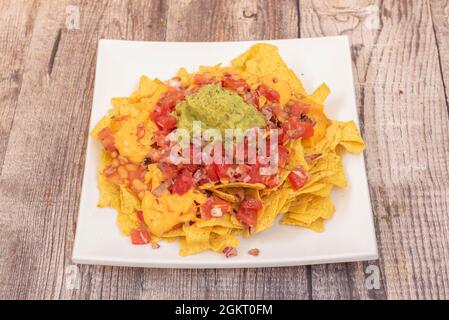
349, 235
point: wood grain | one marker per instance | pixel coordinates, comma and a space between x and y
401, 68
400, 92
440, 19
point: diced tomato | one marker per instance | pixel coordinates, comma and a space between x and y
169, 170
320, 124
238, 85
169, 99
298, 178
183, 183
166, 104
160, 139
297, 108
201, 79
159, 110
271, 181
140, 216
295, 128
140, 235
251, 204
308, 129
283, 156
254, 174
222, 170
211, 203
211, 172
247, 217
271, 94
106, 137
166, 122
252, 98
247, 213
279, 113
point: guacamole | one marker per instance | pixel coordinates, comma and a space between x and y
218, 108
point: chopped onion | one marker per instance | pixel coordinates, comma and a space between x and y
162, 187
230, 252
216, 212
175, 83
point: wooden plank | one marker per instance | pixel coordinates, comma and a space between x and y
231, 20
404, 122
16, 26
41, 175
440, 18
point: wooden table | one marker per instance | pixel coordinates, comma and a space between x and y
401, 66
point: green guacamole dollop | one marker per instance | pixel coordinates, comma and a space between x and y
218, 108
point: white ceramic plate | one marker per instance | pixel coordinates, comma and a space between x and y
349, 235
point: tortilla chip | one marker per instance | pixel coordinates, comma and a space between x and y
256, 186
320, 94
351, 139
224, 221
219, 242
317, 225
196, 240
148, 87
269, 211
127, 222
129, 203
225, 196
109, 192
103, 123
263, 60
318, 207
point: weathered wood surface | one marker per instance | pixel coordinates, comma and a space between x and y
401, 67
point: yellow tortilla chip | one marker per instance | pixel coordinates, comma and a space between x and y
103, 123
296, 156
196, 240
320, 94
224, 221
263, 60
148, 87
218, 242
129, 203
184, 76
127, 222
109, 192
256, 186
225, 196
269, 211
317, 225
174, 233
318, 207
351, 139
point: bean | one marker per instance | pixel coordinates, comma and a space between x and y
131, 167
138, 185
115, 163
122, 172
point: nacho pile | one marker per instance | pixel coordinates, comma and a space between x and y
210, 206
